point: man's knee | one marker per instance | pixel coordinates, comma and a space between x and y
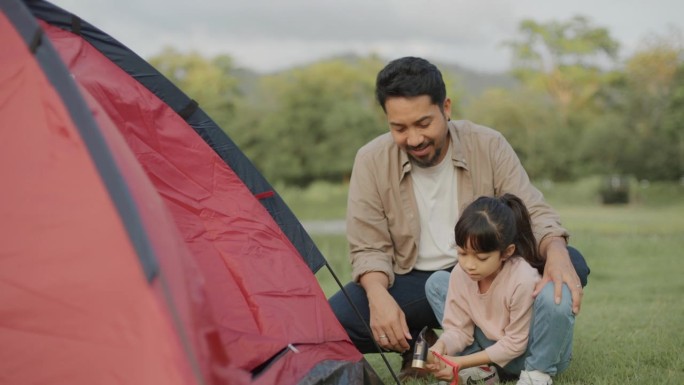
545, 303
351, 309
437, 284
436, 287
347, 302
580, 265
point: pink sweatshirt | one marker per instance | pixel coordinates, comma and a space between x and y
503, 313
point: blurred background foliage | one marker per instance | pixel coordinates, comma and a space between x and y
569, 107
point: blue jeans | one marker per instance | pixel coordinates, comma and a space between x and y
550, 343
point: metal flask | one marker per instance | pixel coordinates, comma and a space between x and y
420, 350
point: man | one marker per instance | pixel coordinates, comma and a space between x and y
406, 190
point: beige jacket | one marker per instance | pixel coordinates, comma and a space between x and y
383, 226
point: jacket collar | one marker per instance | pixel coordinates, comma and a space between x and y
457, 155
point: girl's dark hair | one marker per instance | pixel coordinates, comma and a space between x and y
408, 77
492, 223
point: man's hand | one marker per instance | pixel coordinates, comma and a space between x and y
559, 270
387, 320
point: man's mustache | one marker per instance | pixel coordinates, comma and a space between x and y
419, 147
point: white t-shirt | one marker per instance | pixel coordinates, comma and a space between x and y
435, 191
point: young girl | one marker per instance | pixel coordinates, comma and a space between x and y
488, 308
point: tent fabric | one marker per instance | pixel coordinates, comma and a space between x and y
213, 135
141, 242
74, 296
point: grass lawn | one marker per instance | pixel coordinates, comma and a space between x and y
631, 325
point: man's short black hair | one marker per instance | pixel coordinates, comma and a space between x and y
408, 77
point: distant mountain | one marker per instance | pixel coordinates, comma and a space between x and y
472, 81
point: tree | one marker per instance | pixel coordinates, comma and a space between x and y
652, 100
210, 82
312, 120
562, 70
564, 59
530, 123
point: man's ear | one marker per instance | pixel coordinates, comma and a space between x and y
447, 108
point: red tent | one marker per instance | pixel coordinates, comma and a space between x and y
139, 245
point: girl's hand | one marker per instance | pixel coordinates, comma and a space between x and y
438, 347
438, 367
445, 374
433, 363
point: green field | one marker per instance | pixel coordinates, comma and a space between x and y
631, 326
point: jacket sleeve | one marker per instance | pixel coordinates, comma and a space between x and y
370, 244
511, 177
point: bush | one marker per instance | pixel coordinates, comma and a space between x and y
615, 190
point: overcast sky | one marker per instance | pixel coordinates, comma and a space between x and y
267, 35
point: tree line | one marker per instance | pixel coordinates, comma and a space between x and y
574, 109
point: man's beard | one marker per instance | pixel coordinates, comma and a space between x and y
425, 163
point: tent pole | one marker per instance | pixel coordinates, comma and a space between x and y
358, 314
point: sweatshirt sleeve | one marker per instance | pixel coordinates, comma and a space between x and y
514, 341
457, 323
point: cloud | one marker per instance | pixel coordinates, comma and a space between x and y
267, 35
